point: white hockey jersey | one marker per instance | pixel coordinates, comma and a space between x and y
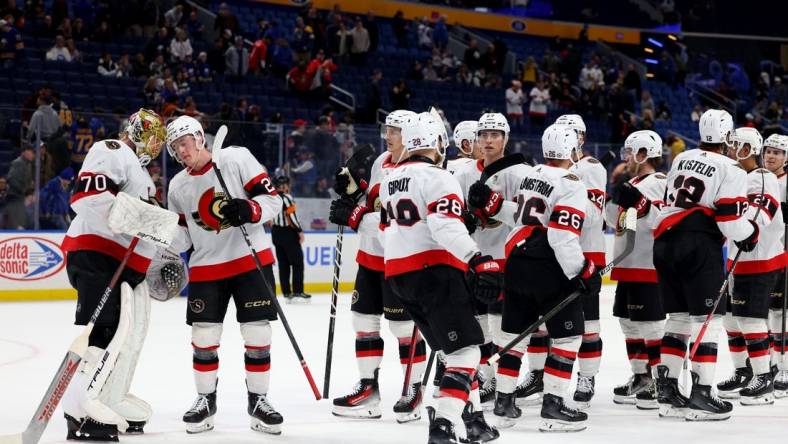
594, 177
710, 183
552, 199
781, 185
110, 166
454, 165
421, 219
219, 249
768, 255
491, 238
639, 265
370, 250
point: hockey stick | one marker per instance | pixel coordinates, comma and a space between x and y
425, 379
500, 165
332, 319
630, 223
68, 367
217, 147
411, 353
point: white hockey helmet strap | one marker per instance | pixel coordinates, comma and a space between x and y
558, 142
715, 127
643, 139
465, 130
182, 126
747, 136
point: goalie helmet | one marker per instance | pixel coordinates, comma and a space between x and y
643, 139
180, 127
146, 131
746, 136
558, 142
715, 127
465, 130
777, 141
493, 121
396, 119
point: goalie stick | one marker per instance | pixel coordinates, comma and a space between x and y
630, 223
217, 147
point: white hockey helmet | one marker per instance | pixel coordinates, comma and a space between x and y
643, 139
493, 121
180, 127
777, 141
422, 132
747, 136
146, 131
465, 130
558, 142
573, 121
716, 126
396, 119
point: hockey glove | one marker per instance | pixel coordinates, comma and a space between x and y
341, 182
485, 202
345, 212
485, 278
237, 212
749, 244
471, 221
630, 197
581, 281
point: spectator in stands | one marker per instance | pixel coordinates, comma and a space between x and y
343, 41
440, 33
321, 70
663, 112
273, 32
157, 66
194, 26
76, 55
540, 97
180, 46
10, 44
304, 173
281, 58
54, 198
675, 145
424, 33
173, 16
696, 113
321, 189
400, 26
514, 104
591, 77
371, 25
429, 73
258, 56
65, 28
361, 43
472, 56
20, 183
46, 29
236, 60
158, 44
79, 31
299, 80
646, 103
216, 56
225, 20
59, 52
45, 121
103, 34
202, 69
464, 75
632, 85
400, 95
373, 100
106, 67
303, 41
416, 71
139, 68
529, 74
151, 93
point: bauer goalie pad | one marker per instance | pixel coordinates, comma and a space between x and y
137, 218
167, 275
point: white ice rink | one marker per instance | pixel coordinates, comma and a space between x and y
35, 336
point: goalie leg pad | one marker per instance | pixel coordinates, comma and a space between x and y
257, 358
205, 341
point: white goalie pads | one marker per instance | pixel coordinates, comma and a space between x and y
167, 275
135, 217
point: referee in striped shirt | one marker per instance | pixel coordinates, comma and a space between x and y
288, 236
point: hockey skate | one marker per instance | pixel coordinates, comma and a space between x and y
626, 393
199, 418
264, 418
476, 427
730, 388
646, 399
585, 391
672, 404
558, 417
300, 298
487, 393
529, 393
760, 390
442, 430
506, 410
408, 408
781, 384
362, 402
704, 405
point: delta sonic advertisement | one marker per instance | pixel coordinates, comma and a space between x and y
33, 267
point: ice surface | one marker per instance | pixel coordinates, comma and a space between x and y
34, 337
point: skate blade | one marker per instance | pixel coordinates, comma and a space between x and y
581, 405
415, 415
271, 429
358, 412
205, 425
702, 415
504, 422
624, 400
779, 394
554, 425
668, 411
729, 395
642, 404
766, 399
529, 401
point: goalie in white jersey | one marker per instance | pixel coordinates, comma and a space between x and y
97, 409
221, 267
754, 278
706, 201
775, 153
638, 303
428, 255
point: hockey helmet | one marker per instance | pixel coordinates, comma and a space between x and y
493, 121
643, 139
465, 130
180, 127
146, 131
422, 132
715, 127
281, 180
746, 136
395, 119
573, 121
558, 142
777, 141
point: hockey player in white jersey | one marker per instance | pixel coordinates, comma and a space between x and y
465, 141
221, 268
638, 304
544, 265
373, 296
428, 257
706, 201
94, 252
754, 279
775, 152
495, 223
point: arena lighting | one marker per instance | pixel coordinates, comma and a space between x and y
648, 50
649, 75
655, 42
672, 37
651, 61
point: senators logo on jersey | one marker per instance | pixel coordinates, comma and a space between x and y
207, 215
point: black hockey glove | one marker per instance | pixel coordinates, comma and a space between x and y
629, 196
485, 278
581, 281
470, 220
483, 201
341, 182
237, 212
749, 244
344, 212
784, 209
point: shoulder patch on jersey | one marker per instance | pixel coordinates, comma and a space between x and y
111, 144
660, 176
592, 160
571, 176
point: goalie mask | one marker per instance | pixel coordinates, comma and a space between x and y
465, 130
146, 131
182, 126
559, 142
